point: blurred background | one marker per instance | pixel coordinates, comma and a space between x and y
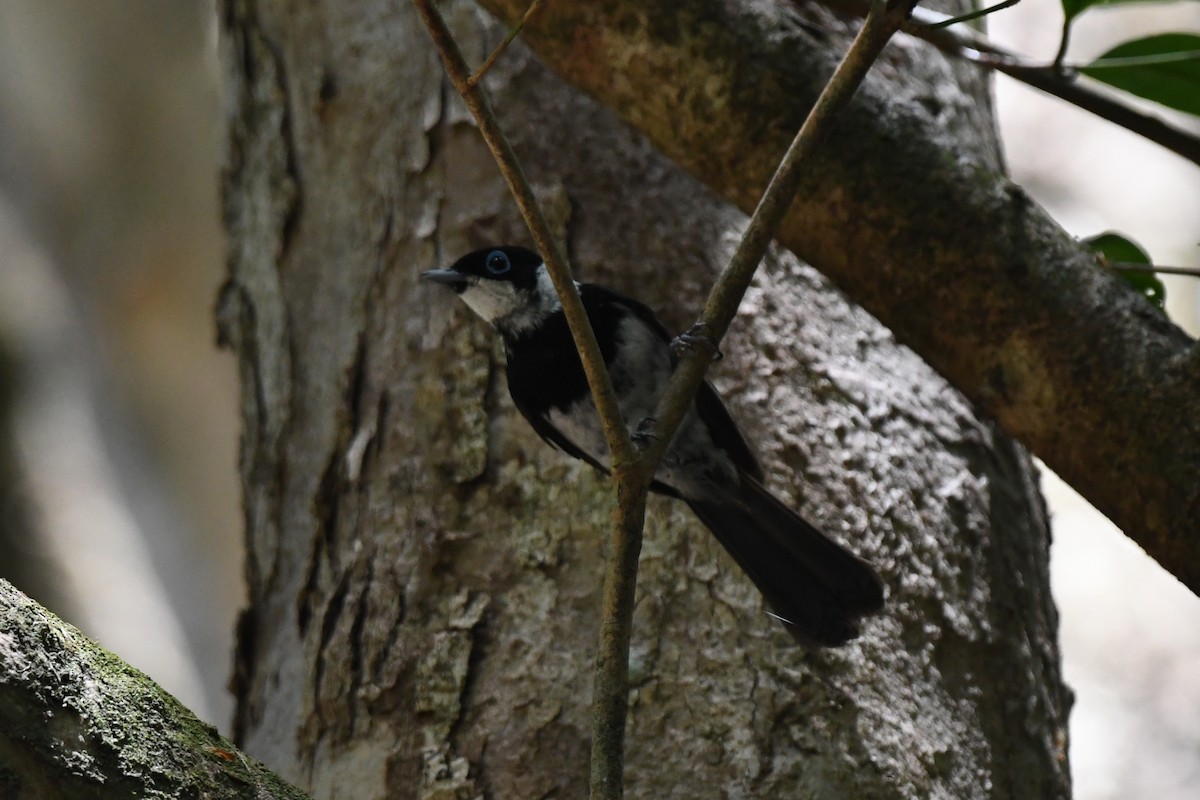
119, 501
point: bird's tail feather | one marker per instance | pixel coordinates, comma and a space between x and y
818, 588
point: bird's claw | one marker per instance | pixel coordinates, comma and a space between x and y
643, 434
696, 336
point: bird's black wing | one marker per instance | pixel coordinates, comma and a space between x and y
709, 406
544, 372
552, 435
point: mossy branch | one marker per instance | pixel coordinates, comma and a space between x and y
76, 721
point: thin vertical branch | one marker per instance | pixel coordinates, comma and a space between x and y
1063, 43
610, 686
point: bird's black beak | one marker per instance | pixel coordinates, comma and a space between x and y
449, 277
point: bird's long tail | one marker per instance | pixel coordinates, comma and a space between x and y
819, 589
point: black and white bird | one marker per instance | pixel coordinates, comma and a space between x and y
817, 588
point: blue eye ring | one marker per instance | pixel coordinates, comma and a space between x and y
497, 262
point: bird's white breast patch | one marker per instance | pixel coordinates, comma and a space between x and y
491, 300
510, 309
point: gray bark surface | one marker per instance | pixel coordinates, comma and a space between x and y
425, 573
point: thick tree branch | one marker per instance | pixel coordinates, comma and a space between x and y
956, 260
77, 722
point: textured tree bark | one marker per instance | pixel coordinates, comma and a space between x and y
424, 573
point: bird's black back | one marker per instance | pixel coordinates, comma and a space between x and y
545, 372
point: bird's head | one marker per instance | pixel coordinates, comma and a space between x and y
506, 286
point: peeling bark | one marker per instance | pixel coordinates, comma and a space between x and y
425, 573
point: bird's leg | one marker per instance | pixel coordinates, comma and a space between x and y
696, 336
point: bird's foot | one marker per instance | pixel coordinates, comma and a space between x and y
697, 336
644, 434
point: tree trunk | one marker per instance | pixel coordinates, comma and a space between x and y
425, 573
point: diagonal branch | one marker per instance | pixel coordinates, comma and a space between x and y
611, 690
477, 76
976, 14
881, 23
615, 432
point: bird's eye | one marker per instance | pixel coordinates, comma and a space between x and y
497, 262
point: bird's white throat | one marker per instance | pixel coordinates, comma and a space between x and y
512, 309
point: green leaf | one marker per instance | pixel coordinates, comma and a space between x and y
1164, 68
1073, 8
1116, 249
